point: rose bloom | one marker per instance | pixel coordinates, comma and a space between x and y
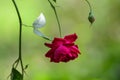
63, 49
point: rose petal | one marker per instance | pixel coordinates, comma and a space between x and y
61, 53
68, 44
71, 38
74, 55
50, 53
57, 41
48, 45
74, 49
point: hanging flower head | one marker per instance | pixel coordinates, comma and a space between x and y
39, 23
63, 49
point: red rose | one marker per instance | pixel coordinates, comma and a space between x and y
63, 49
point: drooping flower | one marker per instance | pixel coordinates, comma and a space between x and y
39, 23
63, 49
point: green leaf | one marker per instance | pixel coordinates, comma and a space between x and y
16, 75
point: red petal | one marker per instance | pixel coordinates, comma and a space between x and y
74, 55
57, 42
75, 49
50, 53
69, 44
71, 38
48, 45
61, 53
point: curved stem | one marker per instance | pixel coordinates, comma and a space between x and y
89, 5
15, 64
53, 7
26, 25
58, 21
20, 36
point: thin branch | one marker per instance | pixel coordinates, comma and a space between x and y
89, 5
26, 25
20, 36
54, 9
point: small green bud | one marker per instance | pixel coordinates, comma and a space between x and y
26, 66
91, 18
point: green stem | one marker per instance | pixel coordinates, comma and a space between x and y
53, 7
26, 25
89, 5
20, 36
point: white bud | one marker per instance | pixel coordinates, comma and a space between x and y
40, 21
37, 32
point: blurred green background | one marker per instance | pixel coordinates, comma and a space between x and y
99, 45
